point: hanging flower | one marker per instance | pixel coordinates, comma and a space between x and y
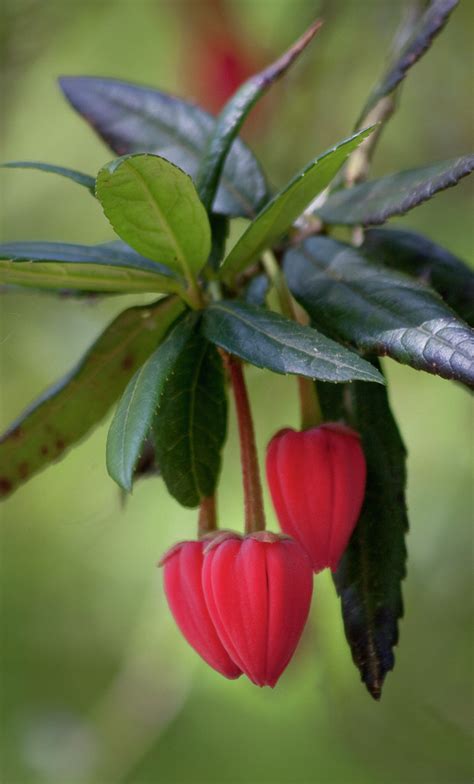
258, 591
182, 567
317, 482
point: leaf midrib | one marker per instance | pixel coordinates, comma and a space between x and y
258, 328
180, 255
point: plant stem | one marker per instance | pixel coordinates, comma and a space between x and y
309, 402
207, 520
310, 408
193, 294
253, 500
272, 268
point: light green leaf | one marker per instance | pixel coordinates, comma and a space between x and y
153, 205
84, 277
277, 216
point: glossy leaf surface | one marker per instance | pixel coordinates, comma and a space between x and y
418, 256
371, 571
379, 310
132, 118
271, 341
232, 117
153, 205
374, 202
277, 216
191, 421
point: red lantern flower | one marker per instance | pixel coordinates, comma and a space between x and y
258, 591
317, 482
183, 587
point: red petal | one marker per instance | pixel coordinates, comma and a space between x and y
258, 593
183, 588
317, 482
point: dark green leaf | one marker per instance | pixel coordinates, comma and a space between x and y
109, 254
134, 416
71, 408
418, 256
376, 201
153, 205
231, 118
379, 310
370, 573
257, 290
132, 118
219, 232
82, 179
277, 216
271, 341
427, 28
190, 424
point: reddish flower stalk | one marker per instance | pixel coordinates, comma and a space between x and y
253, 499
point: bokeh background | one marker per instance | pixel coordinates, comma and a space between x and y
97, 686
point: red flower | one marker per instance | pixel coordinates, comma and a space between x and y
317, 482
183, 587
258, 592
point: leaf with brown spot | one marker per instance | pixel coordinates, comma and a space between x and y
71, 408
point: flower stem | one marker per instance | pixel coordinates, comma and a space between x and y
310, 408
311, 414
207, 520
254, 511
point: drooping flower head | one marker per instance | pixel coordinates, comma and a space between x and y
258, 592
317, 483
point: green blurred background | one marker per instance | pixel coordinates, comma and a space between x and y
97, 684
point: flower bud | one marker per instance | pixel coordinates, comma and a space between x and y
317, 482
182, 572
258, 592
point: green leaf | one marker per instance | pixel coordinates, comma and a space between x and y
190, 424
132, 118
271, 341
220, 232
66, 412
232, 116
378, 310
418, 256
84, 277
76, 176
109, 254
376, 201
369, 576
134, 416
154, 207
427, 28
277, 216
